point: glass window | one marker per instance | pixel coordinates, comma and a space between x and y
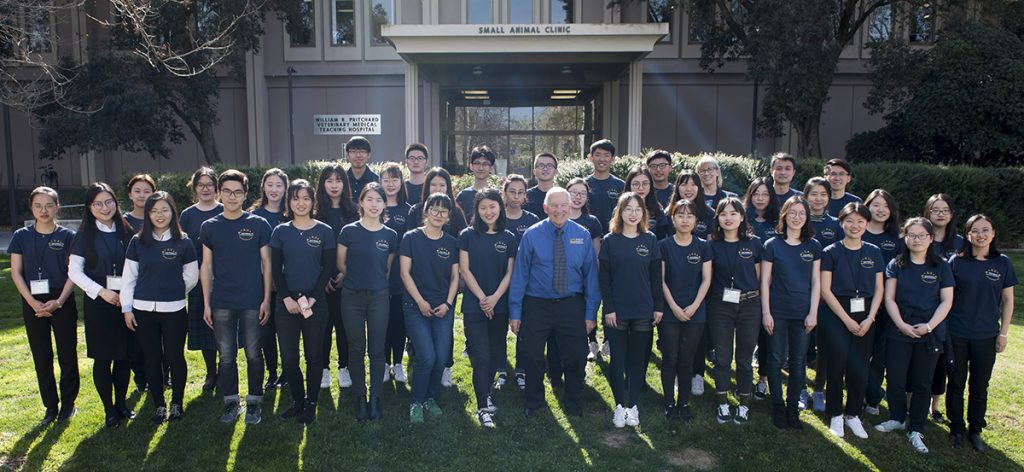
563, 11
520, 12
520, 118
698, 28
304, 29
662, 11
37, 27
343, 23
880, 24
479, 12
382, 13
922, 24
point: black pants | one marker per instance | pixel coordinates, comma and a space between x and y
821, 364
940, 376
764, 352
335, 321
64, 325
910, 366
788, 340
974, 360
162, 336
704, 346
742, 322
876, 368
679, 342
554, 359
485, 339
565, 319
394, 342
630, 342
848, 357
268, 339
312, 329
365, 313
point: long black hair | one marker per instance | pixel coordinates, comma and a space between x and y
742, 232
651, 200
374, 187
272, 172
782, 227
931, 257
687, 175
87, 230
891, 226
323, 201
948, 243
771, 212
478, 223
437, 172
146, 236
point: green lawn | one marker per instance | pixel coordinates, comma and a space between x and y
455, 441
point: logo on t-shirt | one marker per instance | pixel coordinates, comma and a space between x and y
313, 241
867, 263
521, 229
888, 245
769, 232
828, 233
693, 258
383, 245
993, 275
55, 244
642, 251
701, 227
501, 247
443, 253
745, 252
929, 277
613, 194
806, 256
246, 234
169, 253
399, 218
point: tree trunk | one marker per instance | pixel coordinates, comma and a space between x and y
809, 136
208, 143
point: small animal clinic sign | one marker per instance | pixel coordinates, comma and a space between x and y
346, 124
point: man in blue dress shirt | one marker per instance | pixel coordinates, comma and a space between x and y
554, 290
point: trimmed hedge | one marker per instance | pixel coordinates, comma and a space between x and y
997, 192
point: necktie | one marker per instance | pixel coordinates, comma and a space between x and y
560, 274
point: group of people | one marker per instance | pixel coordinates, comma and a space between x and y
780, 276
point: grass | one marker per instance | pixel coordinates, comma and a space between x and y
455, 441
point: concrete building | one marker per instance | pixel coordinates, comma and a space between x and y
522, 76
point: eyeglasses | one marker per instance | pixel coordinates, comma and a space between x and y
662, 166
48, 207
944, 211
979, 232
837, 174
206, 186
706, 171
358, 152
105, 203
578, 194
481, 163
438, 211
918, 237
232, 193
416, 158
637, 184
545, 166
637, 210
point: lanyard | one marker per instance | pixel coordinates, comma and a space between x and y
113, 250
852, 266
731, 260
40, 252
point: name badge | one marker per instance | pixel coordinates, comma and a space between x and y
731, 295
857, 305
40, 287
575, 240
113, 283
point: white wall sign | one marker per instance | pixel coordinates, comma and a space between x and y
346, 124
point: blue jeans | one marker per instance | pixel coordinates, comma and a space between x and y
432, 338
226, 330
788, 337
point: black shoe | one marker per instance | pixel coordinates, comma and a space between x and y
779, 415
66, 413
49, 417
210, 383
271, 382
175, 412
793, 417
671, 413
976, 443
293, 412
141, 387
364, 410
957, 439
161, 414
557, 383
113, 419
937, 417
684, 414
124, 412
308, 413
375, 413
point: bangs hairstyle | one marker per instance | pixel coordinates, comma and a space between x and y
44, 190
814, 182
437, 172
782, 228
684, 205
743, 231
394, 171
604, 145
323, 201
198, 174
782, 157
417, 147
232, 175
658, 154
87, 229
854, 208
141, 178
771, 212
931, 257
617, 225
841, 163
688, 176
374, 187
482, 151
294, 188
967, 251
146, 236
710, 160
274, 172
651, 200
514, 178
949, 235
437, 200
478, 223
585, 210
891, 225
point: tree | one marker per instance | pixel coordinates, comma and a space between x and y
792, 47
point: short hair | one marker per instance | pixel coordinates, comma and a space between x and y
417, 147
513, 178
556, 190
232, 175
709, 159
478, 223
357, 143
658, 154
146, 234
293, 188
604, 145
44, 190
545, 154
200, 173
684, 205
374, 187
482, 151
782, 157
782, 227
839, 162
437, 199
855, 208
141, 178
617, 225
816, 181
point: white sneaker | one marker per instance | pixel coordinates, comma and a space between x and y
632, 416
619, 417
387, 373
399, 373
344, 378
595, 351
446, 377
836, 426
491, 408
606, 350
890, 426
697, 385
856, 427
325, 379
917, 440
872, 410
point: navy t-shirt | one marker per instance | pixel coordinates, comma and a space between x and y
781, 198
398, 218
712, 200
917, 291
604, 195
358, 184
488, 261
302, 251
519, 225
835, 205
660, 225
535, 201
733, 265
273, 218
827, 229
888, 243
414, 191
958, 244
43, 255
135, 223
237, 267
109, 252
432, 262
703, 227
456, 220
591, 223
160, 268
683, 276
191, 221
978, 295
367, 256
335, 218
465, 199
853, 271
792, 272
763, 229
629, 261
664, 194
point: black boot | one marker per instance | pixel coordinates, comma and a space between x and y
364, 411
293, 412
308, 413
793, 416
779, 415
375, 413
976, 442
113, 418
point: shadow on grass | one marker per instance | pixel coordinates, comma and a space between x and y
35, 456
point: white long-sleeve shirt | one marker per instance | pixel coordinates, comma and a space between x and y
76, 269
130, 275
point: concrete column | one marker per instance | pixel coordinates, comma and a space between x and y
412, 103
636, 107
610, 111
256, 109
